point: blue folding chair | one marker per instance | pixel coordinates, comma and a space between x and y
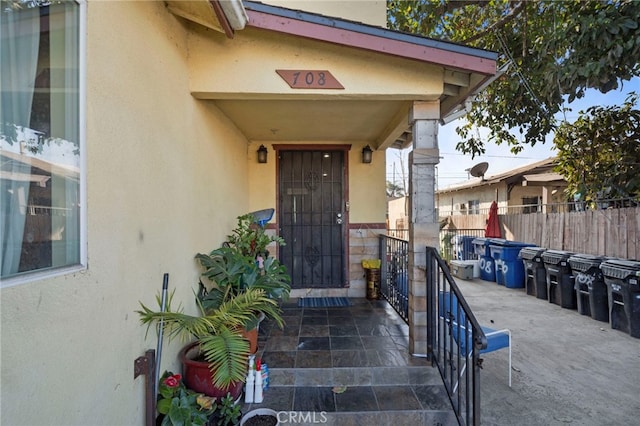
456, 318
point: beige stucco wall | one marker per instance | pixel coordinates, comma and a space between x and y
248, 63
486, 194
366, 11
397, 213
166, 177
367, 199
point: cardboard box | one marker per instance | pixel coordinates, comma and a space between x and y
462, 269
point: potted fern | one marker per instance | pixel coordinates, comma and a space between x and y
242, 264
216, 362
243, 285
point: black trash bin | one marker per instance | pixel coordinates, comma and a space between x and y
622, 278
535, 275
591, 290
560, 282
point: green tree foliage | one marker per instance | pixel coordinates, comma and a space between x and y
394, 190
557, 49
599, 154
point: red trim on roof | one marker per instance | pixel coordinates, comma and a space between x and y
369, 42
222, 18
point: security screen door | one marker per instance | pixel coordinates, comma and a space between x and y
312, 217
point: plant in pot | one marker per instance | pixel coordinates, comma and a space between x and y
243, 263
216, 362
260, 417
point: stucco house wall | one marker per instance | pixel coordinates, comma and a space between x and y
371, 12
166, 177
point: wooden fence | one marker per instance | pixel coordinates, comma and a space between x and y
610, 232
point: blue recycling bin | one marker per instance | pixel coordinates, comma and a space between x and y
508, 265
464, 247
481, 248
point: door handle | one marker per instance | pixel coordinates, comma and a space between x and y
339, 218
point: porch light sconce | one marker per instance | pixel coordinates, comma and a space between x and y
367, 154
262, 154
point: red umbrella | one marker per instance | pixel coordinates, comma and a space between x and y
493, 224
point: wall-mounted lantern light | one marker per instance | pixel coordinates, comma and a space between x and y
262, 154
367, 154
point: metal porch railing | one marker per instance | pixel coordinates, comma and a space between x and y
450, 323
394, 253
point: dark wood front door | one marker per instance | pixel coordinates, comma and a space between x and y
312, 217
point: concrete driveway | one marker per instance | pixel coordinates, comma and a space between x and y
568, 369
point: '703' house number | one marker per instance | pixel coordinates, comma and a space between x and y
310, 79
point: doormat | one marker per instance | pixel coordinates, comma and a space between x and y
323, 302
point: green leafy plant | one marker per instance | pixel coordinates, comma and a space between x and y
242, 264
218, 331
227, 412
250, 238
179, 406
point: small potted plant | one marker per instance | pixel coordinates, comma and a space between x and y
260, 417
227, 412
219, 347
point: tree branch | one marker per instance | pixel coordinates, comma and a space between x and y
499, 24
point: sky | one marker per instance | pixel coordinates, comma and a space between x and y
453, 164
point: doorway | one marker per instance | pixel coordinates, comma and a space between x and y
312, 217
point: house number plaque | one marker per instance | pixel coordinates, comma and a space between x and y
310, 79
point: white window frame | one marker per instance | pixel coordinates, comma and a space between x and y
37, 275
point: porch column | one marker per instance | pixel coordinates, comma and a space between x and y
423, 222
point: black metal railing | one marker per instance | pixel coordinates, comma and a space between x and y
394, 253
403, 234
454, 339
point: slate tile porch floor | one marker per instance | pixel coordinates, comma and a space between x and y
349, 365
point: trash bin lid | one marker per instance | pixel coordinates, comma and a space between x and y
497, 241
507, 243
584, 262
481, 241
554, 257
620, 268
531, 253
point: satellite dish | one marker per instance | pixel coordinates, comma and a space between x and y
479, 170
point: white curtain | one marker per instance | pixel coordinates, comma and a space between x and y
19, 41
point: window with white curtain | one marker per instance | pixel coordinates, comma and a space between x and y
474, 207
40, 137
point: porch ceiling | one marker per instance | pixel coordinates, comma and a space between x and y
316, 120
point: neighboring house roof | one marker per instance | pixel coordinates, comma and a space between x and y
541, 171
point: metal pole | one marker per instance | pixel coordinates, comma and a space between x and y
163, 307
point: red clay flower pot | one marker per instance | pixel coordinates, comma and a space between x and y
197, 376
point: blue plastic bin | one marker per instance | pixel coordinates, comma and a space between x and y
464, 247
508, 265
481, 248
